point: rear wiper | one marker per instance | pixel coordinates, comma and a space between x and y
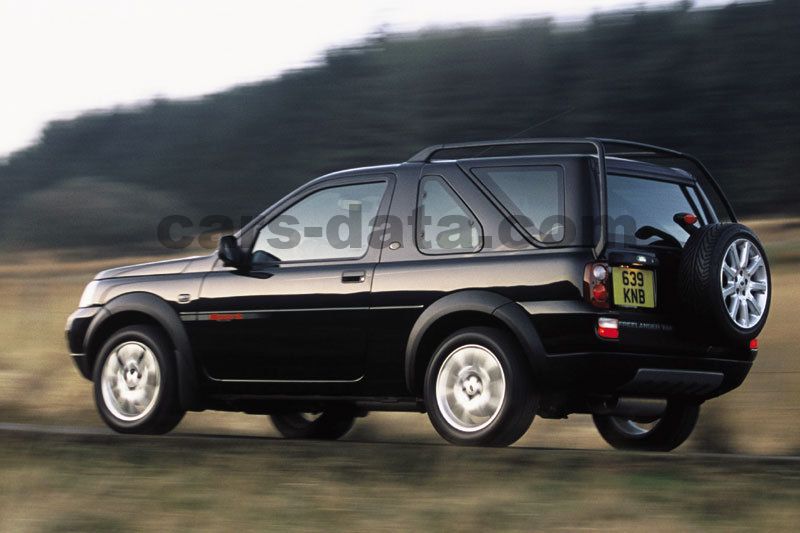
648, 232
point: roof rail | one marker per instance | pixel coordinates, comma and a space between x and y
427, 154
603, 147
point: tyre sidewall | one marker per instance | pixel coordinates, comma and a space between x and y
166, 406
730, 330
675, 426
518, 388
704, 312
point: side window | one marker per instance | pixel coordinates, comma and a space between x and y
533, 196
332, 223
444, 224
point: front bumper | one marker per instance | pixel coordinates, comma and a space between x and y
75, 332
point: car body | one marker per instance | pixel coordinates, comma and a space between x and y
251, 332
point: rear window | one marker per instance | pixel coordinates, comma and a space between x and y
532, 195
634, 203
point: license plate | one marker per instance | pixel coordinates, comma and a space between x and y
634, 287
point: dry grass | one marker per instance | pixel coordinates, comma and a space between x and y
130, 484
38, 383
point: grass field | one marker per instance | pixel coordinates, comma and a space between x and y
38, 382
162, 484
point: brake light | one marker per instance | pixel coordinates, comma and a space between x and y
595, 284
754, 344
608, 328
687, 221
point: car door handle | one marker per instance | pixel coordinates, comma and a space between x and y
353, 276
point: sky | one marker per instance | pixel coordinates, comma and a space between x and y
59, 58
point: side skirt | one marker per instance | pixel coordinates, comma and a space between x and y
273, 404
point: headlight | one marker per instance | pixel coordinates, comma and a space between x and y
89, 293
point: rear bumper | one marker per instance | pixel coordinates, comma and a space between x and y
646, 375
650, 357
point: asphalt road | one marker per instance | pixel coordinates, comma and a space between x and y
105, 435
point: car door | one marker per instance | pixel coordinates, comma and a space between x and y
301, 312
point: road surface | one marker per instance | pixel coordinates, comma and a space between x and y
103, 434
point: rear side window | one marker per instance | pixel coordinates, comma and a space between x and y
532, 195
444, 224
634, 203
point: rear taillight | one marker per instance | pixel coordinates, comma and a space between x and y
596, 286
608, 328
754, 345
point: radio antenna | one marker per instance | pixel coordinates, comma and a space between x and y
529, 128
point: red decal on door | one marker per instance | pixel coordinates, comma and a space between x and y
225, 317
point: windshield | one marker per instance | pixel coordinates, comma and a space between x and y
636, 203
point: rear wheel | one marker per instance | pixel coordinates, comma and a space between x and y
328, 425
658, 435
478, 389
135, 382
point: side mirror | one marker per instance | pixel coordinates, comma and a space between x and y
229, 252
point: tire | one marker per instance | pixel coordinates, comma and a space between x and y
330, 425
705, 307
666, 433
143, 360
470, 364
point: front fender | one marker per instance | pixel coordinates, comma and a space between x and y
160, 311
510, 313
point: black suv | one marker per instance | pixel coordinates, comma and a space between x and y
482, 283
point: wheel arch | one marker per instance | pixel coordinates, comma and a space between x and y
146, 308
463, 309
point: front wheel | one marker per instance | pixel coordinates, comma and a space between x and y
478, 389
659, 435
135, 382
328, 425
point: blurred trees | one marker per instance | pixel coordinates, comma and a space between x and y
722, 84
